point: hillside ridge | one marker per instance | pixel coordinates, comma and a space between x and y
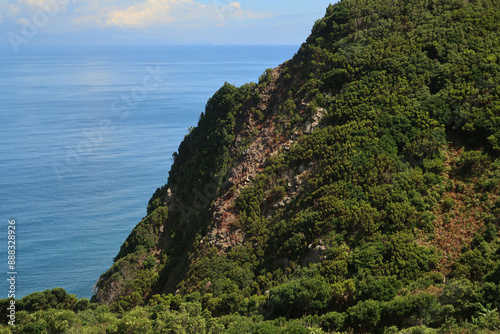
362, 172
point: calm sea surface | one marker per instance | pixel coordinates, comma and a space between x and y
86, 137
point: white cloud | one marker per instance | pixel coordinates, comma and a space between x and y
47, 5
259, 16
11, 11
38, 3
151, 12
14, 11
29, 8
235, 5
178, 13
235, 11
136, 14
91, 13
23, 21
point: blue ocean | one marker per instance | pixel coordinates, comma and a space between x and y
86, 137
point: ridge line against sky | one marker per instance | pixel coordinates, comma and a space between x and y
122, 22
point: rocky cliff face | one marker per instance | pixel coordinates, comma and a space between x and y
351, 162
256, 139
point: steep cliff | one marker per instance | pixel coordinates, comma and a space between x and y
363, 171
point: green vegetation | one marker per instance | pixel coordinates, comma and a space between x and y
371, 205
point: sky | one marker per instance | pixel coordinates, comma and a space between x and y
157, 22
